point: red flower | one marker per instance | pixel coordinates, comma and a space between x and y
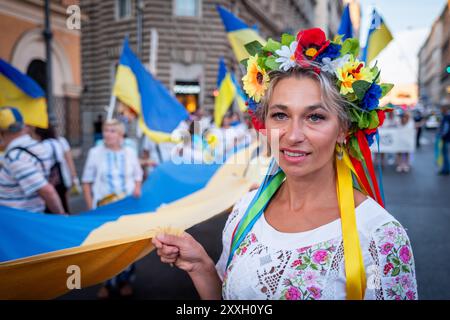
311, 43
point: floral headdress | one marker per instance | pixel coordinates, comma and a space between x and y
361, 87
356, 82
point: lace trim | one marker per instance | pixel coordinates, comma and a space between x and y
374, 280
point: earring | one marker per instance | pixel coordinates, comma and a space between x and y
339, 151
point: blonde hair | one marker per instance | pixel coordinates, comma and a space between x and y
331, 98
116, 124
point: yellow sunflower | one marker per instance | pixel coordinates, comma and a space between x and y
256, 81
352, 71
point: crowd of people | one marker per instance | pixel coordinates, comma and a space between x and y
38, 173
411, 123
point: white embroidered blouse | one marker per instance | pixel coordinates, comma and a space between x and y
310, 265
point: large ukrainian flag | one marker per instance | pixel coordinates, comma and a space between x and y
159, 112
22, 92
38, 251
239, 33
378, 38
226, 94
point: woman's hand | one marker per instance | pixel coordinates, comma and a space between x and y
183, 251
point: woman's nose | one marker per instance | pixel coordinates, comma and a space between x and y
294, 132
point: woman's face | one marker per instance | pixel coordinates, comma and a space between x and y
306, 132
112, 136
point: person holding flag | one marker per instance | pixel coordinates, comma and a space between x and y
316, 228
22, 92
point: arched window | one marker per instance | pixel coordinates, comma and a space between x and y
37, 70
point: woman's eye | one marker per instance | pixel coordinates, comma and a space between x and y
316, 117
279, 116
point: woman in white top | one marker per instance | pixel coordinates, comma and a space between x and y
112, 170
300, 237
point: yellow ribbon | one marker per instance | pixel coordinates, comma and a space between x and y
354, 264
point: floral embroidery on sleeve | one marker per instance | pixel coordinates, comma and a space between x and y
396, 262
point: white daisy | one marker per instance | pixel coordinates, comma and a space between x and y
287, 56
332, 65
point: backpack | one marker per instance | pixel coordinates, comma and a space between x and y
55, 176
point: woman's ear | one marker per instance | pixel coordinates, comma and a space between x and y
341, 136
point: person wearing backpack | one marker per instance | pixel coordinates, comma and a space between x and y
23, 175
61, 175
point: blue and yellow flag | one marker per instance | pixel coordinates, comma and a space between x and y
378, 38
22, 92
241, 97
345, 28
239, 33
226, 93
159, 112
39, 253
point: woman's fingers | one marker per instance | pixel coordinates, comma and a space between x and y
156, 243
168, 260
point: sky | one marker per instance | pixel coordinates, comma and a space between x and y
410, 22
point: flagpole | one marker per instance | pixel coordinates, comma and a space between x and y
48, 55
111, 107
154, 41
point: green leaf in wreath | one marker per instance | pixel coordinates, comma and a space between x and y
360, 88
364, 121
354, 149
244, 62
385, 88
262, 62
286, 39
395, 261
272, 64
254, 47
314, 266
405, 269
351, 46
374, 121
272, 46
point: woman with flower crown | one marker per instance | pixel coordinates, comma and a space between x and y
316, 228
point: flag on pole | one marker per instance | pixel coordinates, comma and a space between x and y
159, 112
239, 33
22, 92
241, 97
378, 38
104, 241
345, 28
226, 93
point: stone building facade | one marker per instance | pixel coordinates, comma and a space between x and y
182, 42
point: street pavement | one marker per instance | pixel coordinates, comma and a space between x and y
420, 200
